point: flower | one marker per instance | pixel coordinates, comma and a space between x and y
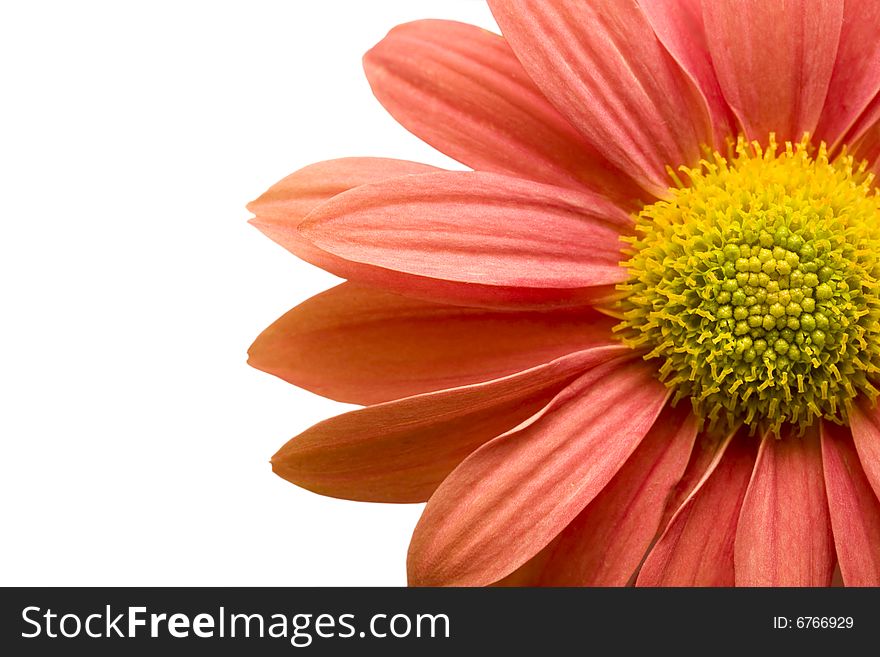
640, 342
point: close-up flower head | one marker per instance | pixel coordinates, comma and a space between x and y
639, 342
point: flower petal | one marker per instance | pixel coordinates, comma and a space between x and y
774, 61
462, 90
603, 67
864, 422
702, 460
697, 547
476, 238
529, 574
856, 77
679, 26
401, 450
865, 137
784, 533
365, 346
281, 209
512, 496
605, 544
854, 508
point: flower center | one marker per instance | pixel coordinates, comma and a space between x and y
756, 284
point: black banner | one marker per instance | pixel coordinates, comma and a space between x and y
342, 621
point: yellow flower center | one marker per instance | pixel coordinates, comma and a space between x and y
756, 285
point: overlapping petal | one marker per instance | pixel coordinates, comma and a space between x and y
856, 76
854, 508
864, 137
703, 457
363, 345
783, 537
679, 26
605, 544
512, 496
864, 422
280, 210
603, 67
697, 547
462, 90
474, 238
774, 61
400, 451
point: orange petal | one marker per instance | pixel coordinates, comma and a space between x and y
281, 209
512, 496
703, 458
401, 450
863, 138
854, 508
784, 533
529, 574
864, 422
856, 77
603, 67
679, 26
462, 90
605, 544
469, 237
696, 549
365, 346
774, 61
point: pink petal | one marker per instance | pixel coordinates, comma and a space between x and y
864, 137
864, 422
512, 496
281, 209
605, 544
702, 459
856, 77
855, 509
697, 547
529, 574
784, 533
774, 61
475, 238
603, 67
400, 451
365, 346
837, 578
679, 26
462, 90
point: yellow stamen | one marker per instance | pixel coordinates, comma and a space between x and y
758, 284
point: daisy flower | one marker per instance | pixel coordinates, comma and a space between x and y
640, 341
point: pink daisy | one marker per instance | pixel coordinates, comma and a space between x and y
640, 341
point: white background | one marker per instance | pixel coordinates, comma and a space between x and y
135, 440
